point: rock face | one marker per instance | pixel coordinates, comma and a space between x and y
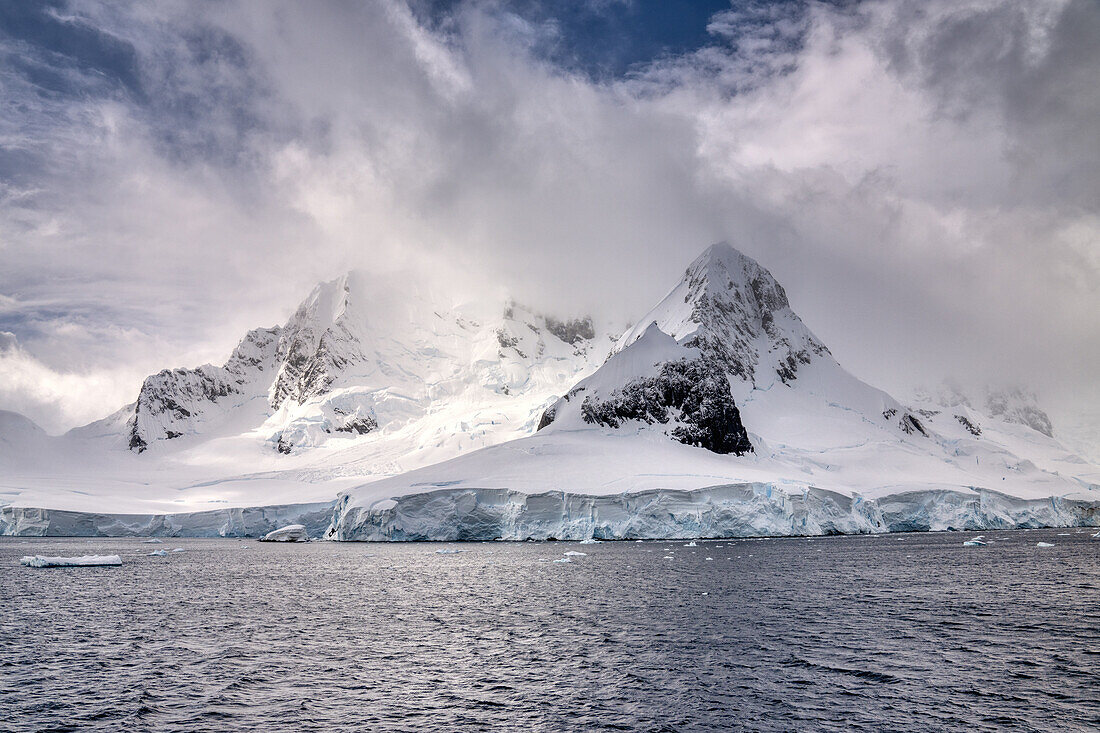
178, 402
693, 394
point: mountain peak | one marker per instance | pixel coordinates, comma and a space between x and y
722, 271
733, 309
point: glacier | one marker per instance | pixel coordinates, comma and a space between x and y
236, 522
731, 510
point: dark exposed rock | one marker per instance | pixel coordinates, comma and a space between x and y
970, 427
137, 443
578, 329
693, 393
547, 418
360, 425
910, 424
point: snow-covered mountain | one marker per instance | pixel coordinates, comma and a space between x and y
369, 377
1012, 404
719, 413
722, 385
362, 354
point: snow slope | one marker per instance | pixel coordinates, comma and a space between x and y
640, 425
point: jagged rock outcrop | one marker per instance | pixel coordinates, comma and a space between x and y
693, 395
177, 402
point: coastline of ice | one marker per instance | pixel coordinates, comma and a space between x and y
732, 510
236, 522
729, 510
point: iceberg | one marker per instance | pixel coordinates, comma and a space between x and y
978, 541
574, 553
289, 533
158, 553
1043, 544
563, 559
42, 561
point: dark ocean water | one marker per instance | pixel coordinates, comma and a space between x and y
898, 632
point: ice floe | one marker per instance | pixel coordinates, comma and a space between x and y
289, 533
42, 561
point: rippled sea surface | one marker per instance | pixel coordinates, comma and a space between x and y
897, 632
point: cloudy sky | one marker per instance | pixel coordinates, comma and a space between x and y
923, 177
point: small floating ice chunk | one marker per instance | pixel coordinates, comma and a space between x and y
153, 541
710, 558
590, 541
448, 551
690, 544
158, 553
42, 561
574, 553
178, 549
1096, 536
1043, 544
669, 557
563, 559
289, 533
978, 541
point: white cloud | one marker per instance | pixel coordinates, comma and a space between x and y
921, 176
